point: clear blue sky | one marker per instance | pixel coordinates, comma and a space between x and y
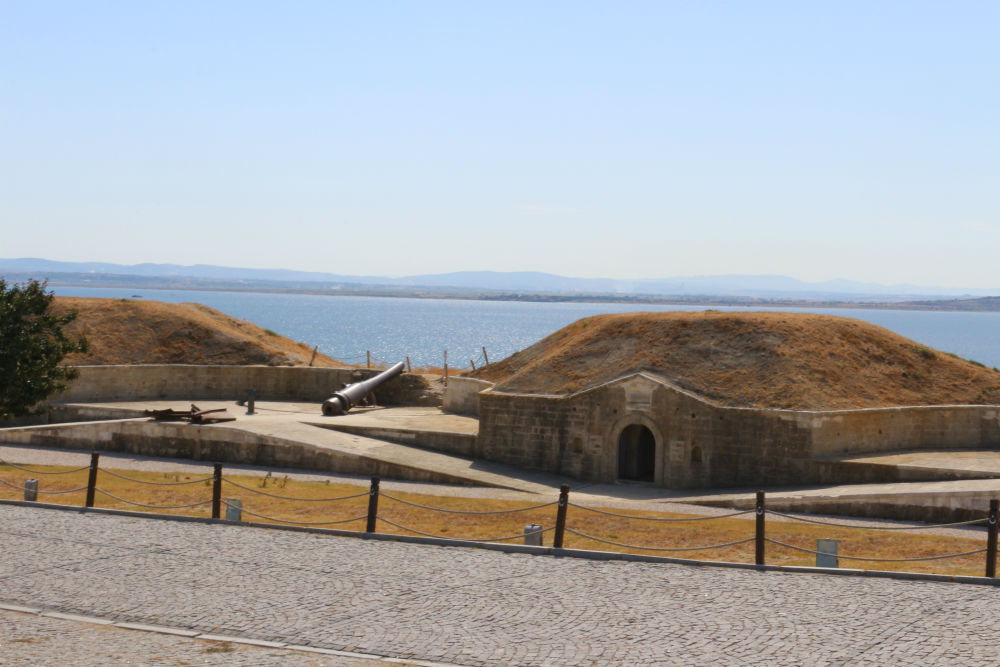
628, 140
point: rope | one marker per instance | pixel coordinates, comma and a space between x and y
142, 481
636, 546
299, 523
43, 472
467, 539
655, 518
50, 493
881, 560
310, 500
441, 509
848, 525
156, 507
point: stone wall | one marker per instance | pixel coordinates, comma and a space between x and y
462, 395
936, 427
273, 383
215, 443
699, 444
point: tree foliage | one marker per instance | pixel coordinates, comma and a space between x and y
32, 347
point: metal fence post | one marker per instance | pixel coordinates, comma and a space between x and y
759, 554
991, 540
217, 491
557, 541
372, 505
92, 479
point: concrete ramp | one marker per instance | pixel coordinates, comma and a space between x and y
913, 466
282, 436
957, 500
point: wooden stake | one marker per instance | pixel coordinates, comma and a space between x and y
372, 505
557, 540
991, 541
217, 491
759, 553
485, 358
92, 479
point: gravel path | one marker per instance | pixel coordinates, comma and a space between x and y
468, 606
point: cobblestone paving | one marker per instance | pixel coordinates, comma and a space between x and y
37, 641
475, 607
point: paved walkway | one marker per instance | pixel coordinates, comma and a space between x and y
301, 425
474, 607
53, 641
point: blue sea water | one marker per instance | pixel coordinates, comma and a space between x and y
344, 327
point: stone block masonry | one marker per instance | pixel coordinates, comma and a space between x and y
273, 383
699, 444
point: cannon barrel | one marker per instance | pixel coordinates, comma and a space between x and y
346, 398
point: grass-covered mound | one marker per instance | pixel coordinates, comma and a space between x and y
125, 331
762, 360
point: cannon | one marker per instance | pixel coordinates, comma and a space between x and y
349, 396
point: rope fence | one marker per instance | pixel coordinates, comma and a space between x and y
43, 472
449, 511
637, 546
155, 507
48, 493
533, 532
146, 481
881, 560
445, 537
834, 524
660, 518
301, 500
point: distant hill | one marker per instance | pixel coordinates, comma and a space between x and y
122, 331
760, 360
986, 303
469, 282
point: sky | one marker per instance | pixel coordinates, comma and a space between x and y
817, 140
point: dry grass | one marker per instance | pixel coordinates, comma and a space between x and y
124, 331
762, 360
853, 541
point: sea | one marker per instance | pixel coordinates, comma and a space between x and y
389, 329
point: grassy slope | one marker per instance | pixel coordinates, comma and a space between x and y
123, 331
765, 360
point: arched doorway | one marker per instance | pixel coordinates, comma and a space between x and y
637, 454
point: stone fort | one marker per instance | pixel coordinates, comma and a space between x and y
687, 400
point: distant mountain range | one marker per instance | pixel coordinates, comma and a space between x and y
744, 286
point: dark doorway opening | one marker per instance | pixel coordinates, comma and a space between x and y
636, 454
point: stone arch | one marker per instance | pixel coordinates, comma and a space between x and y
635, 450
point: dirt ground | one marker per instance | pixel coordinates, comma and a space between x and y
124, 331
762, 360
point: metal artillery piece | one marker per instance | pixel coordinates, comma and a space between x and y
352, 394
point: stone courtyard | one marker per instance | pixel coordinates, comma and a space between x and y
456, 605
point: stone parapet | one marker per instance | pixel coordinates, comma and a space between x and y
462, 395
192, 382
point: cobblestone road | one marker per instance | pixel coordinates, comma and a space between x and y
475, 607
41, 641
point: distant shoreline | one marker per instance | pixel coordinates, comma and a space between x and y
982, 304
